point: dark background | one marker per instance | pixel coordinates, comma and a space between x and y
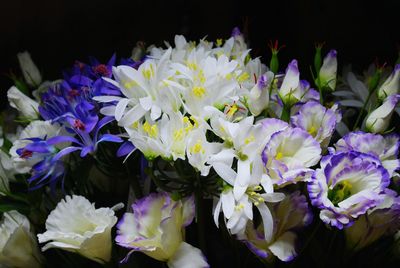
57, 32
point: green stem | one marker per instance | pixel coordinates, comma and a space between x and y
362, 110
135, 183
285, 116
200, 215
321, 95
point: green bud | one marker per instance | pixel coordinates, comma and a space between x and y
274, 63
373, 81
317, 58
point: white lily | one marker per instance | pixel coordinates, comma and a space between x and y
244, 141
206, 82
147, 90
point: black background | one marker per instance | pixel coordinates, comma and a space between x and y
57, 32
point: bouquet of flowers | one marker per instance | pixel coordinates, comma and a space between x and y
196, 154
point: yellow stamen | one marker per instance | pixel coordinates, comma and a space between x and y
151, 130
279, 156
197, 148
199, 91
243, 77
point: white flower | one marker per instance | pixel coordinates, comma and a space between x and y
76, 225
238, 212
378, 121
206, 81
36, 129
25, 105
166, 137
147, 90
392, 84
199, 150
244, 141
29, 70
18, 246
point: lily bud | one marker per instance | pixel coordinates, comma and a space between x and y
31, 73
379, 119
391, 85
327, 73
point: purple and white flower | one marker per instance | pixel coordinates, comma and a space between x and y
346, 186
327, 73
289, 154
385, 148
317, 120
379, 119
288, 92
156, 228
380, 221
290, 214
392, 84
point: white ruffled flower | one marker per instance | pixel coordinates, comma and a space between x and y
31, 73
36, 129
26, 106
378, 121
18, 246
76, 225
